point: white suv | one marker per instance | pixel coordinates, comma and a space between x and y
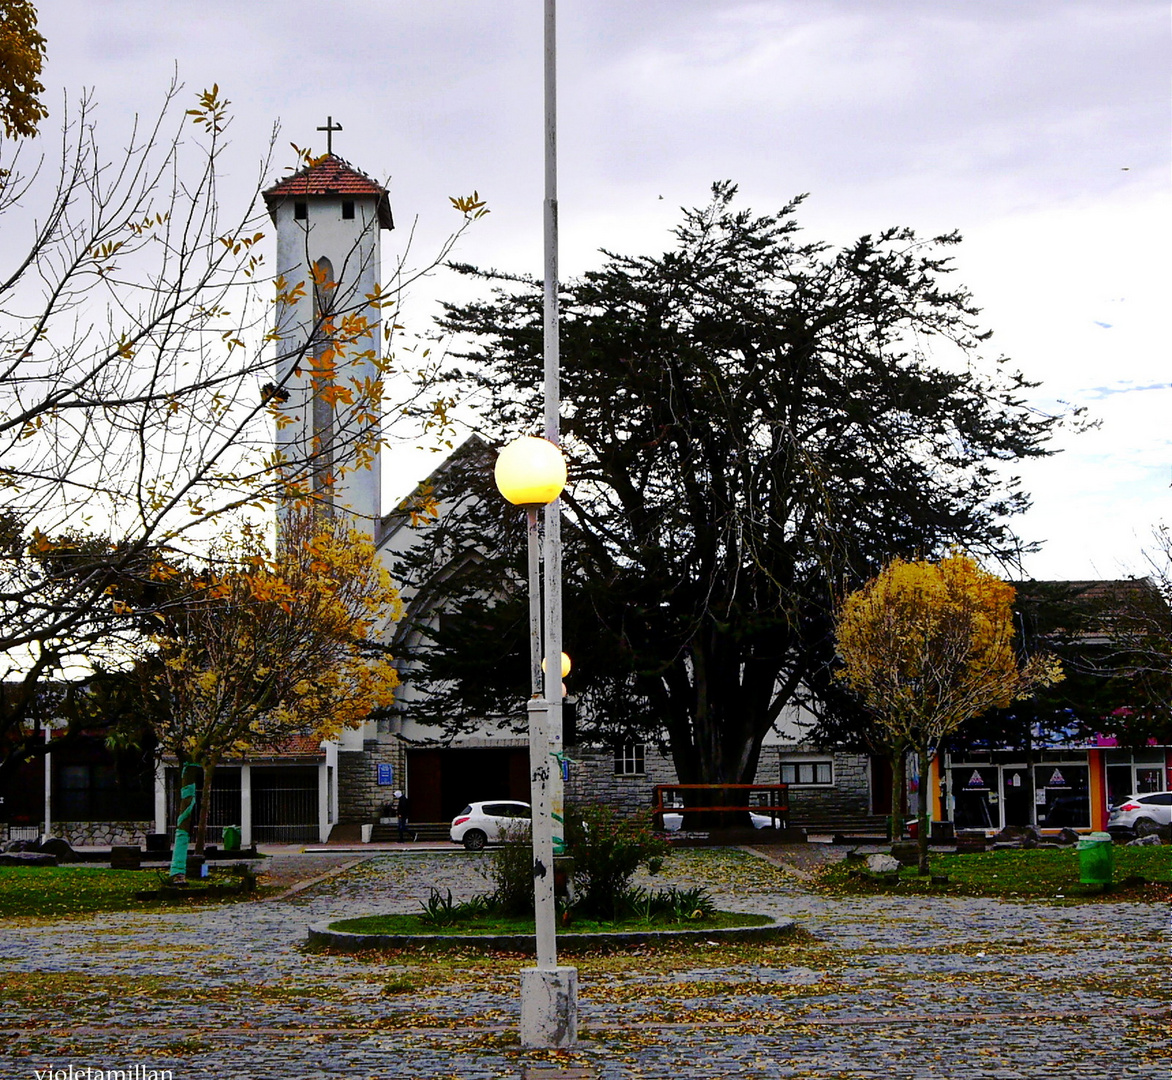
481, 823
1143, 814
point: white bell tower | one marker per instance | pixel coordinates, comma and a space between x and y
329, 218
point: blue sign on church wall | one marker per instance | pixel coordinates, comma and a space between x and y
386, 775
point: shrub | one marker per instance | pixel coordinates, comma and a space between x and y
511, 872
607, 850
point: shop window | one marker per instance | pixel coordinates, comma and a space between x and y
975, 796
1148, 780
1128, 778
95, 791
1062, 796
807, 773
630, 760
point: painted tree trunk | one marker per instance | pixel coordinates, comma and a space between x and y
182, 824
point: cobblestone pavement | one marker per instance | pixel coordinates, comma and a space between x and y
895, 987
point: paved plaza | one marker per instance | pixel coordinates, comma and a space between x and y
882, 986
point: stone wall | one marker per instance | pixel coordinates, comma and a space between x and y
360, 795
593, 780
102, 833
849, 796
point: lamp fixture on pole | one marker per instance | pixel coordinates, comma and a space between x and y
549, 994
531, 473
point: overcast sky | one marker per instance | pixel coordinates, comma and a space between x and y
1038, 128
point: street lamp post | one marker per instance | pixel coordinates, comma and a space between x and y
531, 473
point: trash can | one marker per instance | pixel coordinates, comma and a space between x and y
1096, 858
231, 838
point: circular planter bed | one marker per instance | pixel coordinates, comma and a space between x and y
753, 928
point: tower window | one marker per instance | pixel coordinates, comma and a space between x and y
348, 210
300, 210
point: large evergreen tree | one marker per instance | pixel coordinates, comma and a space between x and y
754, 424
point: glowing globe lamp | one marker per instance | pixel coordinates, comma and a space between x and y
565, 665
530, 471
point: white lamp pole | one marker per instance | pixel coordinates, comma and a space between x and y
531, 473
549, 994
552, 551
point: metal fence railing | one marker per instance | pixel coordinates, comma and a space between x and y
20, 832
284, 804
721, 804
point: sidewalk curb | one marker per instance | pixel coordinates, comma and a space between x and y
346, 941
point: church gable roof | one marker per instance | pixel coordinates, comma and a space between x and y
333, 177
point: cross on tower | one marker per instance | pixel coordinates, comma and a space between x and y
329, 129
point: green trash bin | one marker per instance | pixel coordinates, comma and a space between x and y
231, 838
1096, 858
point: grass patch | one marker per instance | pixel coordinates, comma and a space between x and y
496, 924
54, 891
1141, 873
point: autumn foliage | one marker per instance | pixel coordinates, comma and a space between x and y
22, 52
269, 646
929, 645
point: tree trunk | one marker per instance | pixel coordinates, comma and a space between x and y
182, 824
895, 822
205, 806
925, 793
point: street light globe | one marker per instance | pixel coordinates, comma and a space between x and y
565, 665
530, 471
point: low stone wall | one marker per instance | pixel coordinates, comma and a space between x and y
102, 833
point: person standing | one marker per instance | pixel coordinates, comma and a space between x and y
403, 810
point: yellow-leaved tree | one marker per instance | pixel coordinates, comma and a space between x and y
267, 646
928, 645
22, 52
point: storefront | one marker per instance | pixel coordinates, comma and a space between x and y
1056, 788
998, 789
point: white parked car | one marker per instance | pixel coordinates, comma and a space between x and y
1142, 813
481, 823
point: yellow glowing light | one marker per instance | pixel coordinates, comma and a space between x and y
530, 471
565, 665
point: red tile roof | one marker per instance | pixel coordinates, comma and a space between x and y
330, 176
297, 748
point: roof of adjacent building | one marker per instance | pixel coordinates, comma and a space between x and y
295, 750
331, 177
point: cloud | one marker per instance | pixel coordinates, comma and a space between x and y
1099, 392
